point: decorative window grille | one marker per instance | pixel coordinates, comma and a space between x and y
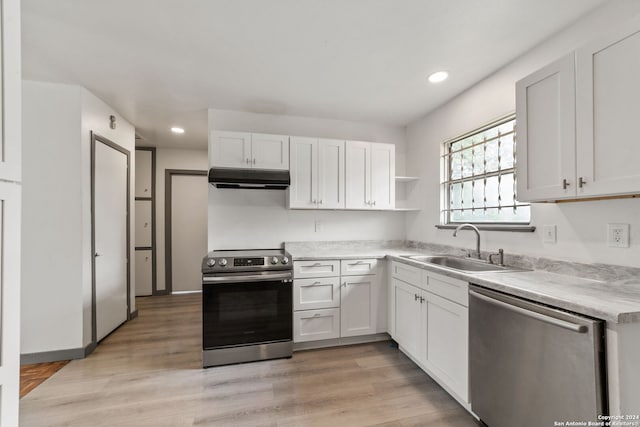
479, 184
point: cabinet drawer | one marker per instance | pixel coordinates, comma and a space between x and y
319, 268
358, 267
316, 293
452, 289
406, 273
312, 325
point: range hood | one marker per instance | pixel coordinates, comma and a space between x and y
249, 178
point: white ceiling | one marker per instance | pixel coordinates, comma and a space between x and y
164, 62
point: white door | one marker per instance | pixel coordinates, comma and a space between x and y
110, 228
608, 90
188, 231
358, 175
357, 305
408, 323
330, 174
383, 171
545, 120
230, 149
270, 151
303, 191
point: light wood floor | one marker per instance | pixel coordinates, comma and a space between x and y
31, 376
148, 373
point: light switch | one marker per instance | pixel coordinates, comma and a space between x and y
549, 234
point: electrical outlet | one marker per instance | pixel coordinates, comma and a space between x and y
618, 235
549, 234
318, 226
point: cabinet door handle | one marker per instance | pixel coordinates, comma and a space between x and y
581, 182
247, 160
314, 202
416, 297
565, 184
344, 285
320, 201
254, 161
146, 224
374, 203
421, 300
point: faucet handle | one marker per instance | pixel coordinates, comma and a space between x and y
500, 256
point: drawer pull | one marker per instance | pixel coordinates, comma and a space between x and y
317, 315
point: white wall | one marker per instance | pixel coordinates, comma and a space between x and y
51, 212
56, 226
581, 226
259, 218
171, 159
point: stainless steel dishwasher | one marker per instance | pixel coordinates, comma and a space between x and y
531, 365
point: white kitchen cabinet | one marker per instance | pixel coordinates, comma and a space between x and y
576, 130
370, 175
317, 173
545, 120
358, 300
143, 223
607, 111
406, 273
143, 179
316, 293
144, 272
409, 319
447, 343
316, 268
247, 150
358, 267
313, 325
430, 323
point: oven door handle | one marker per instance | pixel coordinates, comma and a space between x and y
246, 278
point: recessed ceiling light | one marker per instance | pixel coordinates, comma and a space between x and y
177, 130
438, 77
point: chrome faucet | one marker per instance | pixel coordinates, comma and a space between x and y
474, 228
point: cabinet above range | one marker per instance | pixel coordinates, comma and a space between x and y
248, 150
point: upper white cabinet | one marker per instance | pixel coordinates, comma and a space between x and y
249, 150
317, 173
577, 134
607, 112
545, 120
370, 175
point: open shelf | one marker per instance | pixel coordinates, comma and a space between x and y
406, 178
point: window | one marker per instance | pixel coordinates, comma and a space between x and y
479, 184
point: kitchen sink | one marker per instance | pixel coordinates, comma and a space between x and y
461, 264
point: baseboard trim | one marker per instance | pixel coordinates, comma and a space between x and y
133, 314
336, 342
57, 355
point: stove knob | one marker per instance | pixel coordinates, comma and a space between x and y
285, 260
222, 262
274, 260
211, 262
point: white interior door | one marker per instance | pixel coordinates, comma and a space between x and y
188, 231
110, 228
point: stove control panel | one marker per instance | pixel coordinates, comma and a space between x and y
236, 262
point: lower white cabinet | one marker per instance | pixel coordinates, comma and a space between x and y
408, 316
430, 322
328, 304
313, 325
357, 305
447, 343
144, 272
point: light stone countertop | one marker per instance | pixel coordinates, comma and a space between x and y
616, 301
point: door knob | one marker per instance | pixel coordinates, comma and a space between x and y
96, 255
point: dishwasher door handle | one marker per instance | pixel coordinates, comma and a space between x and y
538, 316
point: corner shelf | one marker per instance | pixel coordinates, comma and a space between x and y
403, 190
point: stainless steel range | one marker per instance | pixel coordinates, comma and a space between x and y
247, 306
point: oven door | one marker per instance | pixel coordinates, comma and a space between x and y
246, 311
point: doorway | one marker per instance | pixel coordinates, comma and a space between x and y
110, 234
185, 229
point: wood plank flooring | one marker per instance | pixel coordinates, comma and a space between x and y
31, 376
148, 373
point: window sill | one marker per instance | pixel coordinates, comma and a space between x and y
492, 227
